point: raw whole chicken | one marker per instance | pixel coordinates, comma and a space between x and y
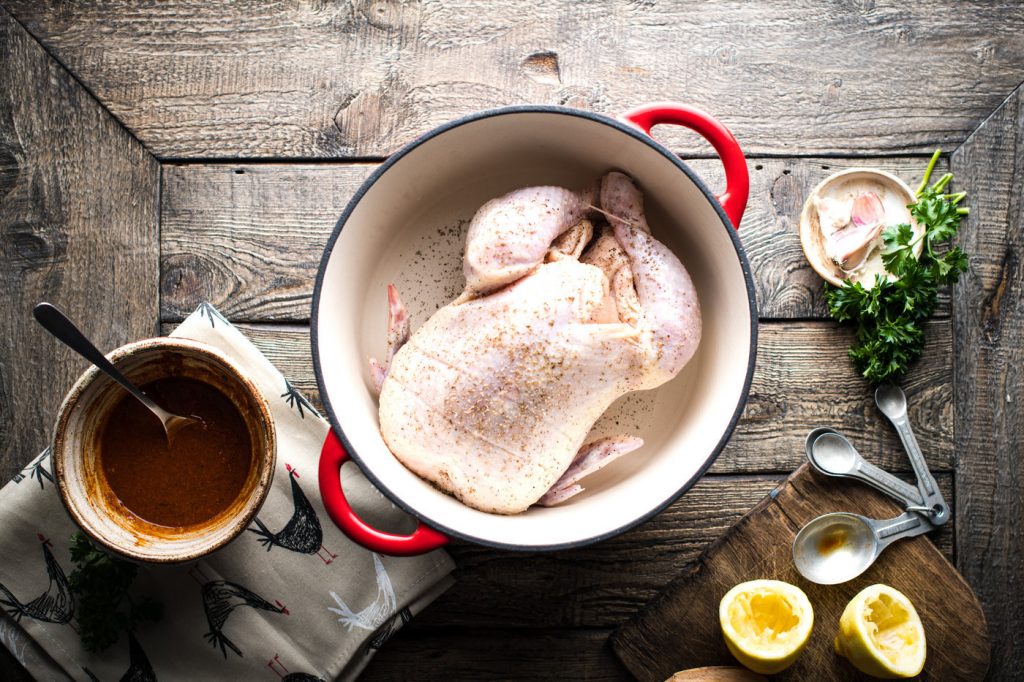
491, 400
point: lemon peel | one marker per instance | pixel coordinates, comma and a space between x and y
766, 624
881, 634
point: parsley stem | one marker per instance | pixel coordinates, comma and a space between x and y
963, 211
928, 171
919, 237
941, 183
955, 198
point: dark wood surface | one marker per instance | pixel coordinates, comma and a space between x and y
78, 222
153, 155
989, 375
759, 547
192, 78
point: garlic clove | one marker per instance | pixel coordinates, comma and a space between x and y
833, 214
867, 209
851, 245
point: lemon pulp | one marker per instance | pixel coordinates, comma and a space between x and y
881, 633
766, 624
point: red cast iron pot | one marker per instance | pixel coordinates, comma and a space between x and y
403, 226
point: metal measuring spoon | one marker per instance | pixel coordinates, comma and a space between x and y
837, 547
830, 453
892, 402
57, 323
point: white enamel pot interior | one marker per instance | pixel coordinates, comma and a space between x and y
406, 226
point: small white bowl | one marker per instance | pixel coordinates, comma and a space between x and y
895, 196
79, 473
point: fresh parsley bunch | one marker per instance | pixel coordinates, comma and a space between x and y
890, 316
100, 582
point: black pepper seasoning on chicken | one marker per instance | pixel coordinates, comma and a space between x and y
491, 400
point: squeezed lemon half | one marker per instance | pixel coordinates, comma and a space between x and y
766, 624
881, 634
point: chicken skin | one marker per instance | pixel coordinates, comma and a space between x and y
491, 400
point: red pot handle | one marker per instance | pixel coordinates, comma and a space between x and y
422, 540
737, 180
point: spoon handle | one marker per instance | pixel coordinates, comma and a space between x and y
906, 525
925, 481
888, 484
55, 322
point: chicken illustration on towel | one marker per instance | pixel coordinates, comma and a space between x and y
220, 598
36, 470
379, 610
302, 533
55, 605
492, 398
389, 628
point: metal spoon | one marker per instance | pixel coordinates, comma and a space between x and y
837, 547
832, 454
892, 402
55, 322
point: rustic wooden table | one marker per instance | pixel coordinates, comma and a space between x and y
155, 155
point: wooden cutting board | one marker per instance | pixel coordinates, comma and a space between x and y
680, 629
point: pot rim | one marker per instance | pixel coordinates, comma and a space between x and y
471, 118
238, 524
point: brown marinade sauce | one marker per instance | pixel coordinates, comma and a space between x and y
202, 472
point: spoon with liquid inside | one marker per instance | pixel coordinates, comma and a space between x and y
55, 322
837, 547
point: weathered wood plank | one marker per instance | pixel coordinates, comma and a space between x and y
250, 79
802, 380
248, 238
604, 584
78, 227
473, 654
988, 311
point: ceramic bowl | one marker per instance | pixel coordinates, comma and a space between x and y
79, 473
895, 196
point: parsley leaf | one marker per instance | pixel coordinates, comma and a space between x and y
889, 318
100, 582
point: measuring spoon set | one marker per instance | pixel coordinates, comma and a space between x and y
837, 547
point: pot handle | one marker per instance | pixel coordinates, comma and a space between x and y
737, 180
422, 540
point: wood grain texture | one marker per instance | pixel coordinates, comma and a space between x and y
248, 238
454, 655
78, 227
759, 546
989, 378
353, 79
606, 584
802, 380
